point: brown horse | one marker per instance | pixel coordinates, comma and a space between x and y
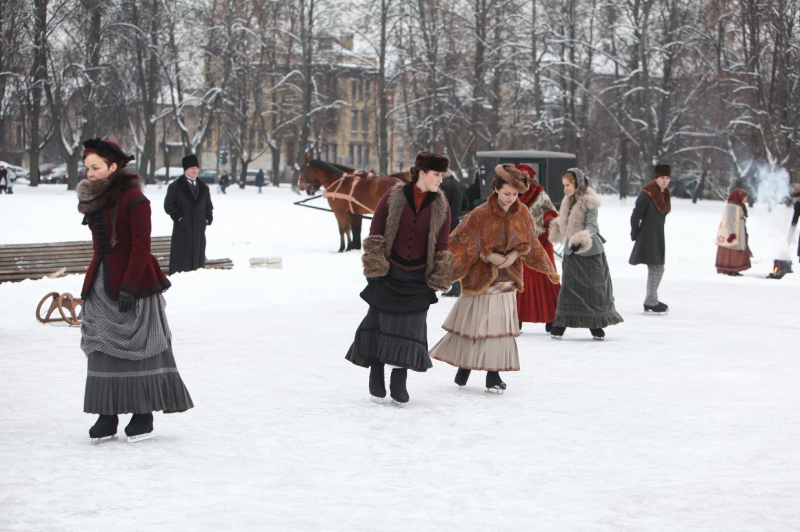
350, 194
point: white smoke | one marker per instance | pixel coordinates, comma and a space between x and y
772, 185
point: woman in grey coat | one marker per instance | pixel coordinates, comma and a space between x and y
647, 230
586, 299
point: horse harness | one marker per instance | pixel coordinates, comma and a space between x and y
332, 192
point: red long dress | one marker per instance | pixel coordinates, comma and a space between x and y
537, 303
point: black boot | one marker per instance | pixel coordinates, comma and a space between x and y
557, 332
397, 385
548, 327
104, 427
140, 427
462, 376
598, 334
377, 383
657, 308
494, 384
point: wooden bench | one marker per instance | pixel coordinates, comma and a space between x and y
35, 261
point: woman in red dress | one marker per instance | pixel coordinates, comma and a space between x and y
537, 304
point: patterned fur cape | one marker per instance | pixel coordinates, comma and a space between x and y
489, 229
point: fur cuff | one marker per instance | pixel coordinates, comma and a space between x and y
442, 276
582, 238
373, 259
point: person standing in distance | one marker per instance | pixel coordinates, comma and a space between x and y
647, 231
260, 179
188, 203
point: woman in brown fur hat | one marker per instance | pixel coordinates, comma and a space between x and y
125, 334
491, 247
405, 259
586, 299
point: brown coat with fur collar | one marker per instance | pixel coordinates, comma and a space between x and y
395, 223
491, 229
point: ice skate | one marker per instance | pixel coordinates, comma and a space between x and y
397, 387
104, 429
140, 428
494, 384
557, 332
659, 308
462, 376
377, 382
598, 334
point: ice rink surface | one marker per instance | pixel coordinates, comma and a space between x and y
686, 421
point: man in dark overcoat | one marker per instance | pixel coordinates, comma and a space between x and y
188, 203
456, 196
647, 231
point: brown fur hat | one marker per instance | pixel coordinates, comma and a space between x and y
431, 161
514, 177
662, 170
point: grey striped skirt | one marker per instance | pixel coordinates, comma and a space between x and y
130, 364
586, 299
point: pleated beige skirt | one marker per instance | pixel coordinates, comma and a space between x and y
481, 333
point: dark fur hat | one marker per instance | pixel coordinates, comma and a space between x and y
514, 177
431, 161
662, 170
189, 161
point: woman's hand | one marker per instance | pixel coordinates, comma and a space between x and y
495, 258
510, 259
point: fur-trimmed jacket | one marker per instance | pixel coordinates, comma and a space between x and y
577, 224
488, 229
409, 239
118, 214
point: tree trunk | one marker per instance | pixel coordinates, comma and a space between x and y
39, 76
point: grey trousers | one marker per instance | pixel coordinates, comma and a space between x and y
654, 274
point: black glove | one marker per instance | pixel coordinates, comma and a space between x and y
125, 301
574, 248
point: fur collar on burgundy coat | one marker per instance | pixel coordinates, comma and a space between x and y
97, 195
491, 229
661, 199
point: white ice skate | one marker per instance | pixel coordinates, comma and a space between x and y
104, 439
140, 437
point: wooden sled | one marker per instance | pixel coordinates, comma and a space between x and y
66, 305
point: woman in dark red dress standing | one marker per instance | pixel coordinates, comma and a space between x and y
537, 304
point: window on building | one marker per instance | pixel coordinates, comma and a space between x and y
364, 122
366, 157
209, 143
353, 89
330, 152
353, 121
367, 84
352, 158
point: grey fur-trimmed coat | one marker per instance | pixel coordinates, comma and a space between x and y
378, 247
577, 224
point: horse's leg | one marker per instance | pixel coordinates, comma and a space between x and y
355, 225
349, 219
341, 221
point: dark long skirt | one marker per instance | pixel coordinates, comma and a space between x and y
119, 386
395, 330
586, 299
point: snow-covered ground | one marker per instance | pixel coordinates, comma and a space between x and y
687, 421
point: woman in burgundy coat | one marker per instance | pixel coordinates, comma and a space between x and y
125, 334
537, 304
405, 260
